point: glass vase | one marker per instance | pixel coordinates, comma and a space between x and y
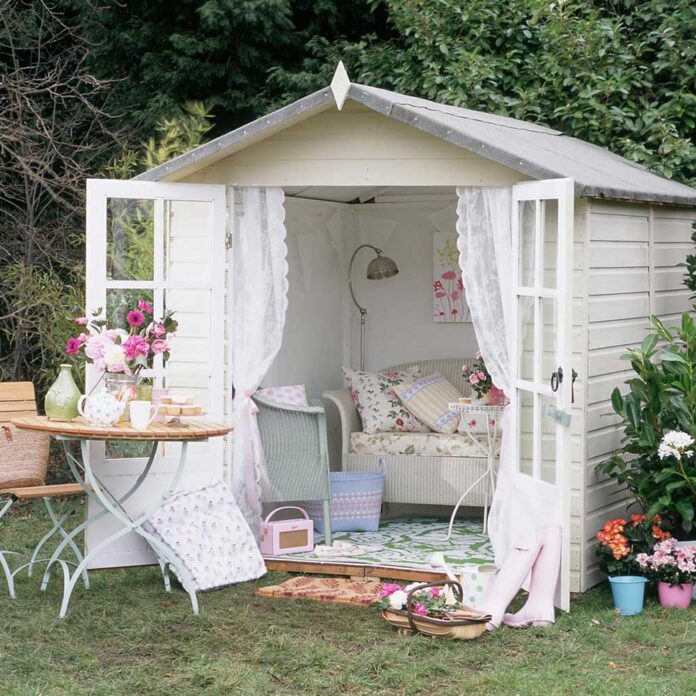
124, 388
61, 399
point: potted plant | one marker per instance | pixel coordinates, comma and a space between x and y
673, 567
480, 380
618, 544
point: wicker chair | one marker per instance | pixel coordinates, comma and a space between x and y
296, 452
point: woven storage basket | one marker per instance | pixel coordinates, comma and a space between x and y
23, 457
468, 624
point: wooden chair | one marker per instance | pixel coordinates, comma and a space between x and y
18, 399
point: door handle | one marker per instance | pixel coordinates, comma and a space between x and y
574, 376
556, 379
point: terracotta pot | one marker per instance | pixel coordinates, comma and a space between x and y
675, 596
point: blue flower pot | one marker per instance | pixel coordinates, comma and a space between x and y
629, 593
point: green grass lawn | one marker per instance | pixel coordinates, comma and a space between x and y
127, 636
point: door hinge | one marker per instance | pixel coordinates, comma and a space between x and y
228, 240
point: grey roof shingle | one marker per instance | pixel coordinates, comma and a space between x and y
533, 150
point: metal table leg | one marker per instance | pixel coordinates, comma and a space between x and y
131, 525
9, 577
70, 538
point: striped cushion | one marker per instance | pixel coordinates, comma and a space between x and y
428, 400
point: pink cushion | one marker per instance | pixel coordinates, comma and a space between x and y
294, 395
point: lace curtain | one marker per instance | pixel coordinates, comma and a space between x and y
257, 306
485, 257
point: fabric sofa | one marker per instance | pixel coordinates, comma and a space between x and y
421, 468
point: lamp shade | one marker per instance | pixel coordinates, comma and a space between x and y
381, 267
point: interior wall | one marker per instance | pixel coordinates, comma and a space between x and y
314, 340
400, 309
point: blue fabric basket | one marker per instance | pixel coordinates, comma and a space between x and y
356, 502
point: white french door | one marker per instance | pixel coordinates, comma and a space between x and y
542, 234
164, 243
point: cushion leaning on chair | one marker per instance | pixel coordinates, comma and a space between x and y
428, 399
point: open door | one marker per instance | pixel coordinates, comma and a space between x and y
542, 234
164, 243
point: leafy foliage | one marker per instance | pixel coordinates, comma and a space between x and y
618, 74
661, 397
216, 51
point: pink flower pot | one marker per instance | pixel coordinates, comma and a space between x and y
675, 596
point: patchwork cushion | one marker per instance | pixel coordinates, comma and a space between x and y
428, 400
416, 444
379, 407
296, 395
206, 530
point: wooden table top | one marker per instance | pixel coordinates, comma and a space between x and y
80, 429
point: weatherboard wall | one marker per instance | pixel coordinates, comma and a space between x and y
633, 271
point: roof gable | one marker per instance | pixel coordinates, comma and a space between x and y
530, 149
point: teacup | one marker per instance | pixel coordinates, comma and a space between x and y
142, 413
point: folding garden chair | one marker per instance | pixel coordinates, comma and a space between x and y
23, 464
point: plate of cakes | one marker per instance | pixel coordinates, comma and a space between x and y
174, 408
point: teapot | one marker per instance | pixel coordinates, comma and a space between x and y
102, 408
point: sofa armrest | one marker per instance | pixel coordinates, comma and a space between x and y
350, 420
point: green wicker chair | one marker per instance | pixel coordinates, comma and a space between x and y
296, 452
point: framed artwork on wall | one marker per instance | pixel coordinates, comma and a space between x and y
449, 303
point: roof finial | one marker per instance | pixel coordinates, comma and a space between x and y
340, 84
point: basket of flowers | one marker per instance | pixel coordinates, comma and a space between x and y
434, 609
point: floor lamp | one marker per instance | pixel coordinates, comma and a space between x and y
379, 268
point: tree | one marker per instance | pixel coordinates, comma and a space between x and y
219, 52
54, 133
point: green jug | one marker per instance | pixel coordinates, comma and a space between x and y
61, 399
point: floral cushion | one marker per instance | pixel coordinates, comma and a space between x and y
428, 399
417, 444
379, 407
295, 395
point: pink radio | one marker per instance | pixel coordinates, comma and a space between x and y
287, 536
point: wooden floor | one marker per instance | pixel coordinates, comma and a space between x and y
356, 570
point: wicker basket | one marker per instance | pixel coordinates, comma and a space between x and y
467, 625
23, 457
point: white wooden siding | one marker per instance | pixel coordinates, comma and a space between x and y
634, 252
354, 147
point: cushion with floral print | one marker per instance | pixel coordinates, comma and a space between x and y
378, 405
295, 395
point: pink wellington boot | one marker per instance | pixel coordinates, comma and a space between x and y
538, 609
508, 582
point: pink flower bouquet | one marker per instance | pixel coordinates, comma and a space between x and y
669, 563
477, 375
430, 601
126, 351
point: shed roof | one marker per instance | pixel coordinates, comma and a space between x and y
532, 150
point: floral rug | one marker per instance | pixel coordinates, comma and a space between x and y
362, 593
409, 543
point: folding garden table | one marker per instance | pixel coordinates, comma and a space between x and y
80, 431
488, 449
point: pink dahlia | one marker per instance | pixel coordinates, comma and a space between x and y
72, 347
135, 318
145, 306
420, 610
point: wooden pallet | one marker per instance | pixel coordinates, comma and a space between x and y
80, 429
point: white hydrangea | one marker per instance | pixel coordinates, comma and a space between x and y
675, 444
397, 600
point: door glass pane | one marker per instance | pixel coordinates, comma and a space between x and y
550, 245
549, 361
549, 428
526, 337
187, 239
129, 239
527, 243
526, 431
